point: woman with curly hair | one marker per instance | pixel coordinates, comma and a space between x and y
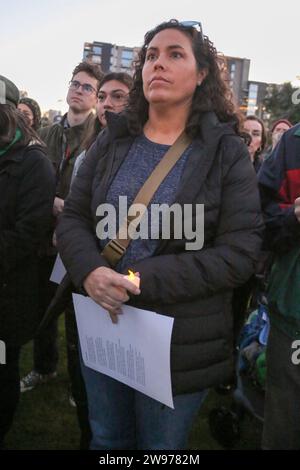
178, 90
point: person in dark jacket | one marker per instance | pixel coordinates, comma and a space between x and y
279, 183
27, 189
177, 87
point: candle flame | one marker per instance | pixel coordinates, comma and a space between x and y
131, 275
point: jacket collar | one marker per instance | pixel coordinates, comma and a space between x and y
17, 155
17, 137
117, 125
211, 127
297, 131
13, 155
80, 127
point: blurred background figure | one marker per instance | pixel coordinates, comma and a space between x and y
45, 121
57, 118
31, 111
255, 127
278, 129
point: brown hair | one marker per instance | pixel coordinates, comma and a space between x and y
93, 70
263, 132
12, 119
213, 94
122, 77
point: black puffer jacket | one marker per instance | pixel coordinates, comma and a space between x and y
27, 189
195, 287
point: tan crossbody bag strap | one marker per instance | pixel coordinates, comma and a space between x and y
116, 248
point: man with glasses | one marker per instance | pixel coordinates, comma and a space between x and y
64, 139
64, 143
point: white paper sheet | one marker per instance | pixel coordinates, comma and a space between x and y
135, 351
58, 271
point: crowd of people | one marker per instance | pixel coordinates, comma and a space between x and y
117, 133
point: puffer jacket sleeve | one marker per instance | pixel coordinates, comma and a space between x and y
33, 211
80, 252
172, 278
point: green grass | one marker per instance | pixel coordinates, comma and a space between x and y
46, 421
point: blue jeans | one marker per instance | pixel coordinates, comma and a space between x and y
123, 418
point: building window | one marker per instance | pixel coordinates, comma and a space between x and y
97, 50
253, 90
128, 55
252, 99
126, 63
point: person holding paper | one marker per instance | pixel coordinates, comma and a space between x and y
178, 91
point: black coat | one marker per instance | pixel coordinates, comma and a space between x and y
27, 189
195, 287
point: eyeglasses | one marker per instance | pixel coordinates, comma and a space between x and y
192, 24
87, 89
116, 97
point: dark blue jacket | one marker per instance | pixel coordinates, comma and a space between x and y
279, 184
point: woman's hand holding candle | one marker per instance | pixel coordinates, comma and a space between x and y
134, 278
109, 289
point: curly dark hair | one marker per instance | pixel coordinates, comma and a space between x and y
213, 94
93, 70
12, 119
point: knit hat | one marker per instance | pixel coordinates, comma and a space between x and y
285, 121
9, 93
36, 111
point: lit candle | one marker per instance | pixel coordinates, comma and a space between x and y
133, 278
